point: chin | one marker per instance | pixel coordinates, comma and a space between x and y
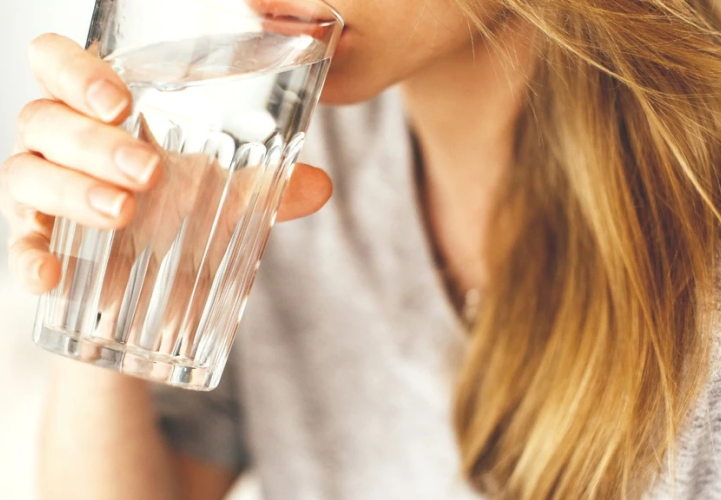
350, 87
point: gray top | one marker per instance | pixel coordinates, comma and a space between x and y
341, 382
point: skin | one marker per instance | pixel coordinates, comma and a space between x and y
461, 100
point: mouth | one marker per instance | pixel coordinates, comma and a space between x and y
308, 11
313, 18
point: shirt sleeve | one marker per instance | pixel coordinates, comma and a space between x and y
207, 426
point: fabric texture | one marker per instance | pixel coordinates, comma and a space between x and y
340, 383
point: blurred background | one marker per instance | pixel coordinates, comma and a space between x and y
23, 367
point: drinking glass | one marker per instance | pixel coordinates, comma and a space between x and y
224, 90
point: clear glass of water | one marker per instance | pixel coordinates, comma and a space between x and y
225, 90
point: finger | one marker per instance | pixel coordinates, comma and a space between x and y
308, 191
34, 182
72, 140
76, 77
32, 265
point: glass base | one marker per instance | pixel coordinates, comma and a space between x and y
127, 360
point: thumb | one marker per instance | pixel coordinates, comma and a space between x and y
309, 190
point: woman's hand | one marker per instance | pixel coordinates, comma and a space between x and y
72, 160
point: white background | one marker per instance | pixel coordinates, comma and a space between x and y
23, 367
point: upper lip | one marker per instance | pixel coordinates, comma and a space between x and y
298, 10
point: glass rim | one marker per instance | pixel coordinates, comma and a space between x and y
334, 12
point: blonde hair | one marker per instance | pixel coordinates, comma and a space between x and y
593, 338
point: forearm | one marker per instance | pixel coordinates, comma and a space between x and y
100, 439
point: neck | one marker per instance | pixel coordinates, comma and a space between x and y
463, 111
464, 107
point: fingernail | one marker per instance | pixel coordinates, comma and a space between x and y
107, 100
107, 200
137, 162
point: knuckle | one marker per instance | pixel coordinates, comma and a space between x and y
28, 117
16, 248
19, 251
8, 171
11, 166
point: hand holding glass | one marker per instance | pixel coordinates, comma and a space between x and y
224, 89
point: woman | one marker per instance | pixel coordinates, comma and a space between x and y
555, 161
